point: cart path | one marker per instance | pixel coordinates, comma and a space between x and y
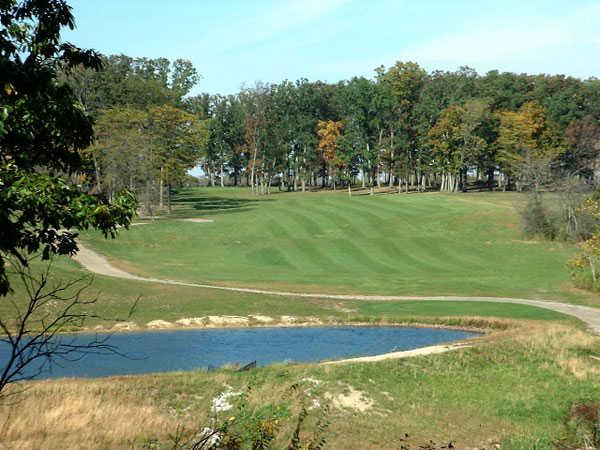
98, 264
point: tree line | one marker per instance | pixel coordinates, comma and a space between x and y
403, 128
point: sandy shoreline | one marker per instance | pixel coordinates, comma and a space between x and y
297, 324
423, 351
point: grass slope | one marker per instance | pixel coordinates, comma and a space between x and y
430, 244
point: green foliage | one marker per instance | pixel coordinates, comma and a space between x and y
123, 81
254, 427
582, 426
536, 220
145, 150
528, 144
43, 129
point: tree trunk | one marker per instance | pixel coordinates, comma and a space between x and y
490, 178
253, 174
97, 173
169, 197
160, 189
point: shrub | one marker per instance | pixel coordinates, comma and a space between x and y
582, 426
256, 428
536, 220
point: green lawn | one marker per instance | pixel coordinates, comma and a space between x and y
429, 244
115, 297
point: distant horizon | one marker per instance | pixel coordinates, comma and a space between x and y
241, 42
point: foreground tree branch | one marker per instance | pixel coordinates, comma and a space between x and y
33, 335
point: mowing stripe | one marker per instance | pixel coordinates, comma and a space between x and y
97, 263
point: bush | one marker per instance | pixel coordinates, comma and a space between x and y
536, 220
582, 426
256, 428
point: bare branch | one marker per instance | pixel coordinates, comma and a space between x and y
36, 342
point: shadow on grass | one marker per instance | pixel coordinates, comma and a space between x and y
213, 204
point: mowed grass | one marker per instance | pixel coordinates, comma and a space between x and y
417, 244
153, 301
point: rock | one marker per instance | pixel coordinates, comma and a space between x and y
261, 318
192, 321
159, 324
288, 319
313, 320
124, 326
228, 320
311, 380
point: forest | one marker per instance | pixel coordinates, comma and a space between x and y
405, 128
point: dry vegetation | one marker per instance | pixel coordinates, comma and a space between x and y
69, 414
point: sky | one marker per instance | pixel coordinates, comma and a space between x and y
238, 42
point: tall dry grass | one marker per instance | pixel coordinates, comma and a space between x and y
572, 349
80, 414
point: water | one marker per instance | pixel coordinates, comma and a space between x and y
165, 351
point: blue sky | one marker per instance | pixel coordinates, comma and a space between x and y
235, 42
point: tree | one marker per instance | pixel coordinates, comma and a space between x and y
136, 82
588, 258
583, 138
329, 133
355, 100
528, 145
257, 103
406, 80
43, 129
455, 143
177, 139
121, 153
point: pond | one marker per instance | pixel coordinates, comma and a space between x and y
165, 351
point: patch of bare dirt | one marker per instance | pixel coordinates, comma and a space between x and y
351, 399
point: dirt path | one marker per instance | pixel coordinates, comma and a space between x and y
97, 263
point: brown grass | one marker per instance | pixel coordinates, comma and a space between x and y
80, 414
564, 342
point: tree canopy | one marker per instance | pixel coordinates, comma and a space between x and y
43, 129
